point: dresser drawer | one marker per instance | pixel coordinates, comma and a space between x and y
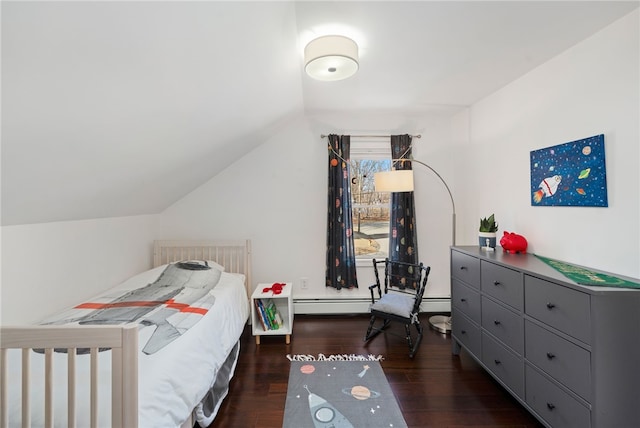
506, 365
466, 332
465, 268
503, 323
502, 283
466, 300
560, 307
564, 361
553, 404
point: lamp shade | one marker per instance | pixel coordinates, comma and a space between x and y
331, 58
394, 181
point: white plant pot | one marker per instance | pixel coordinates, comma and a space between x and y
487, 239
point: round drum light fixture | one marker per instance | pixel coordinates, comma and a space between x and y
331, 58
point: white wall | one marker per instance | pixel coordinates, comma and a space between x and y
277, 196
482, 152
50, 266
263, 197
592, 88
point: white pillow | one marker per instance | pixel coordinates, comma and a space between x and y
215, 265
397, 304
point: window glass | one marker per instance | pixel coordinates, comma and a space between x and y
370, 209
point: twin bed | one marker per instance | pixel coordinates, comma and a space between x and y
79, 369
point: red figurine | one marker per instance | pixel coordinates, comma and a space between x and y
276, 288
513, 243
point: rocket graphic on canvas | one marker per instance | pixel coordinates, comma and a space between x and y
548, 187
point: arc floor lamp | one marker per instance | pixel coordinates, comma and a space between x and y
402, 181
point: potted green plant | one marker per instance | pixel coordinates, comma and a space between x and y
487, 233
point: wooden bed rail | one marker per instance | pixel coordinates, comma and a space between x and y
123, 341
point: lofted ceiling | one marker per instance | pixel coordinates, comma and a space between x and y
121, 108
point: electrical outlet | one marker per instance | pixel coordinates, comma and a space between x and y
304, 283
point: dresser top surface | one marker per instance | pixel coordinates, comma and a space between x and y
529, 263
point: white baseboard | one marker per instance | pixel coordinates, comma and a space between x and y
358, 306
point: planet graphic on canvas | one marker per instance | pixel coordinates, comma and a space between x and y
360, 392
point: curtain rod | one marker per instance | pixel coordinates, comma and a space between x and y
372, 136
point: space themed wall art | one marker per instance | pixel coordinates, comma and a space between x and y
570, 174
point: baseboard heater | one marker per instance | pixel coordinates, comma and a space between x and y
358, 305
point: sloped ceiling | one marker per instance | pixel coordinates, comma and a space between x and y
121, 108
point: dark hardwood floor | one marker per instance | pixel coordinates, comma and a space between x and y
435, 389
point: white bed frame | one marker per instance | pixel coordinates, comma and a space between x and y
234, 255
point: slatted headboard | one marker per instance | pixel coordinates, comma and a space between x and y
234, 255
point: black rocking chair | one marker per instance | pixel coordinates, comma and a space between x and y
404, 285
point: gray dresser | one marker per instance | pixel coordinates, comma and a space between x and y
568, 353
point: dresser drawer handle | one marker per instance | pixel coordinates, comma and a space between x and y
496, 282
497, 362
463, 331
550, 305
550, 356
496, 322
463, 267
463, 300
550, 406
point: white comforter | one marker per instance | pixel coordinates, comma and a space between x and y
172, 381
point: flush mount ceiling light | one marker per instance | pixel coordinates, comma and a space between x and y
331, 58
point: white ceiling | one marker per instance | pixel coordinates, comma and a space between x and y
121, 108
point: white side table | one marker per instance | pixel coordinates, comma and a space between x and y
284, 304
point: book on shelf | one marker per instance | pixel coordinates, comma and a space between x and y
279, 319
260, 311
273, 314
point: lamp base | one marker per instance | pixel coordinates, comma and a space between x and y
441, 323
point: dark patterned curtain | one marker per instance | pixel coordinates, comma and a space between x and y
341, 256
403, 240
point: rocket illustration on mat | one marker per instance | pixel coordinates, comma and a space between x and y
324, 414
548, 187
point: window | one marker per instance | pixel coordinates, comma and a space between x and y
370, 209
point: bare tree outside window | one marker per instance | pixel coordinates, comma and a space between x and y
370, 209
